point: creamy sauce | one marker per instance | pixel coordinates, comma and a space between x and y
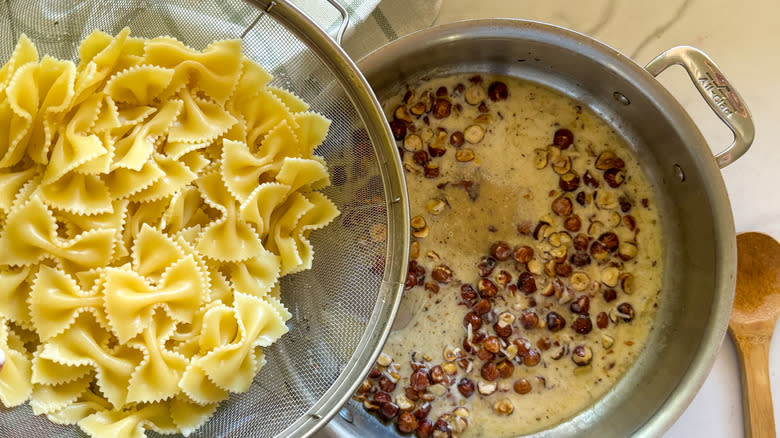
509, 195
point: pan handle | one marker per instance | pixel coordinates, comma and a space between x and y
716, 91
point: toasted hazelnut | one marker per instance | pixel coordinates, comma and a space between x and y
627, 251
441, 108
613, 219
582, 324
555, 322
419, 380
626, 282
522, 386
398, 127
425, 429
609, 295
510, 351
431, 170
489, 371
598, 250
486, 266
581, 305
503, 279
625, 312
579, 259
581, 242
482, 307
572, 223
486, 288
582, 355
540, 157
542, 230
580, 280
606, 200
414, 250
523, 254
483, 119
590, 180
492, 344
464, 155
569, 182
459, 424
505, 319
607, 341
608, 160
436, 150
602, 320
449, 368
457, 139
449, 354
614, 177
562, 206
407, 423
561, 165
486, 388
473, 320
500, 250
388, 410
474, 134
505, 369
419, 108
421, 233
402, 113
563, 138
529, 320
474, 95
559, 256
609, 276
526, 283
535, 267
629, 221
435, 206
553, 153
497, 91
404, 403
502, 331
504, 406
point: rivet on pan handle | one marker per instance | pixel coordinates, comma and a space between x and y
717, 92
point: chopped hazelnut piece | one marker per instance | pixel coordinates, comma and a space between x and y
608, 160
436, 206
627, 251
561, 165
607, 341
609, 276
582, 355
486, 388
540, 158
497, 91
384, 360
402, 113
627, 283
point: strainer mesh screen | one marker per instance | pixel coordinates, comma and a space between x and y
332, 304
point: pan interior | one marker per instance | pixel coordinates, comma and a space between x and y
698, 235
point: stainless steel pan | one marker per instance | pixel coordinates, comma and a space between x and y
700, 244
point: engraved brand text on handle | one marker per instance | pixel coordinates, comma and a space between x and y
720, 92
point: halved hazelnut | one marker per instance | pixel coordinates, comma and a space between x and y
562, 206
441, 108
504, 406
569, 182
627, 283
627, 251
436, 206
540, 157
535, 267
436, 150
464, 155
608, 160
402, 113
398, 127
582, 355
614, 177
418, 223
606, 200
607, 341
609, 276
474, 134
474, 95
590, 180
561, 165
497, 91
613, 219
625, 311
579, 281
523, 254
413, 143
486, 388
442, 274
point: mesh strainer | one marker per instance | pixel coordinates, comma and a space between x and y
343, 307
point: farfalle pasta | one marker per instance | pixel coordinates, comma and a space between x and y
151, 196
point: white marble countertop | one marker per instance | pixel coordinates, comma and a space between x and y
742, 38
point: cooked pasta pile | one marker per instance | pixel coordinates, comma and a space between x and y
151, 196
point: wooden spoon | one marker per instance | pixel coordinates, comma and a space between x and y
753, 319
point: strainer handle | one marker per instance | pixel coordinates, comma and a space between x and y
344, 20
268, 5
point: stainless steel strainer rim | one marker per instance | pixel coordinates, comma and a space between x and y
371, 125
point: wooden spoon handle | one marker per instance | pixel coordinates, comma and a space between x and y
756, 395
